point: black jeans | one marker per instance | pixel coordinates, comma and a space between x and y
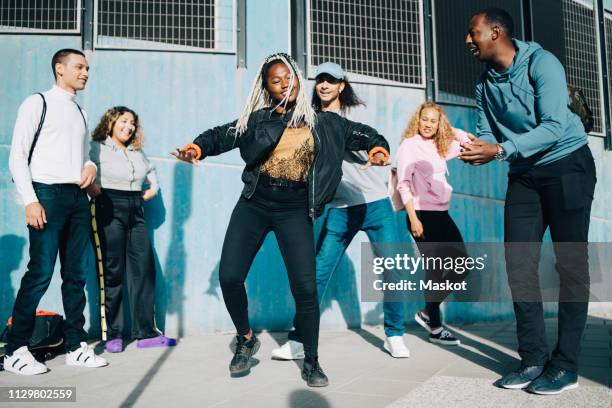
441, 238
127, 255
556, 196
67, 231
284, 211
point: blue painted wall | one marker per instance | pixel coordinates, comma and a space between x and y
177, 96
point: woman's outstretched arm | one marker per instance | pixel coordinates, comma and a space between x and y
211, 142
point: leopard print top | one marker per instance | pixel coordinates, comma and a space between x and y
292, 157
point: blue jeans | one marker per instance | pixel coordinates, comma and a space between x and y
67, 232
342, 224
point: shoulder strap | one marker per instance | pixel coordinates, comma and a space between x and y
40, 125
82, 115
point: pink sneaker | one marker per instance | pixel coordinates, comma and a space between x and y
159, 341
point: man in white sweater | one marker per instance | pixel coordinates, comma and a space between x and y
49, 162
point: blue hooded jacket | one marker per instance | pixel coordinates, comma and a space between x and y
530, 118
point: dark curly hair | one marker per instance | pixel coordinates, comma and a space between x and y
107, 123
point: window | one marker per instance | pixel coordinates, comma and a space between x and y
582, 54
40, 16
376, 42
456, 70
178, 25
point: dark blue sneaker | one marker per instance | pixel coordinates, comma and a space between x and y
553, 381
520, 378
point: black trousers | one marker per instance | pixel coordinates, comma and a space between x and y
284, 211
556, 196
441, 238
67, 232
127, 255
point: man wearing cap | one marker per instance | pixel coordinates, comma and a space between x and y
360, 204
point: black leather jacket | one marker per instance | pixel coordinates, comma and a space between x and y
332, 134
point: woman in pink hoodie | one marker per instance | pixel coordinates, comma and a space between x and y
428, 142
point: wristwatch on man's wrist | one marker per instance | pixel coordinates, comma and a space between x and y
501, 153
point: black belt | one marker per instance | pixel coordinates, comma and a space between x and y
266, 180
122, 193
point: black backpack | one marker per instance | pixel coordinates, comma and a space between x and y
577, 102
47, 338
578, 105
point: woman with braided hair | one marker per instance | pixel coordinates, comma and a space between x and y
293, 159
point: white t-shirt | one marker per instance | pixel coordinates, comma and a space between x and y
359, 186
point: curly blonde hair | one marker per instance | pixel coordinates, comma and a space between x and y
444, 135
107, 123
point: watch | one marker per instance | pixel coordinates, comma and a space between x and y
501, 153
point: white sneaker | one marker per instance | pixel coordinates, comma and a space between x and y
396, 347
291, 350
84, 356
23, 362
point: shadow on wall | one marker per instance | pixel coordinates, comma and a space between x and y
170, 289
11, 254
155, 216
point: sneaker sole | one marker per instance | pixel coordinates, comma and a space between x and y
388, 349
567, 387
247, 369
86, 366
422, 323
11, 370
314, 385
516, 386
445, 343
284, 358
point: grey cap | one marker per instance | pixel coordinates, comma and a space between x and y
330, 68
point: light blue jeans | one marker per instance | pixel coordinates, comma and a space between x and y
342, 224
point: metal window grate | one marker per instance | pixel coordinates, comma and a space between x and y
377, 42
456, 70
581, 54
40, 16
204, 25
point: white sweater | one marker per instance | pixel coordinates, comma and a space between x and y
61, 150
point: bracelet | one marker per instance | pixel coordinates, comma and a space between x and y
197, 152
378, 149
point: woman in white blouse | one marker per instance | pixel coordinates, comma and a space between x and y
123, 171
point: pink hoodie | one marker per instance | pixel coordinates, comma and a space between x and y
421, 172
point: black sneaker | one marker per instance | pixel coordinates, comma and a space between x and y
520, 378
313, 374
245, 349
444, 337
423, 320
553, 381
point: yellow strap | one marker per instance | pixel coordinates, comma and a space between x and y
100, 267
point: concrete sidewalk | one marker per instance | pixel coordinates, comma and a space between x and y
362, 374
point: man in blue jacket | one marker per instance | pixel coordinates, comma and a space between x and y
522, 104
